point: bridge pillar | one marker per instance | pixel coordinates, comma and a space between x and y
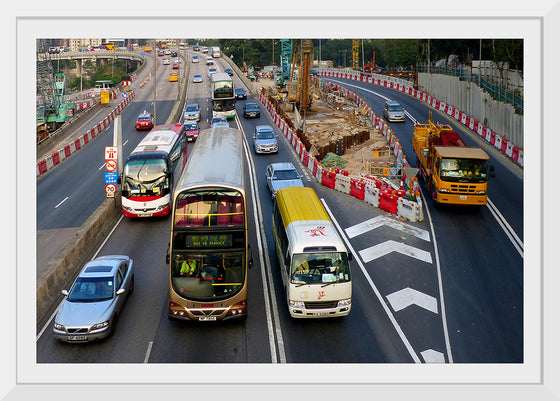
79, 65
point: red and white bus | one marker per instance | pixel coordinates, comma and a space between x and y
147, 177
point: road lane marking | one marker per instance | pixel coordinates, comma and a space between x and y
61, 202
267, 280
432, 356
380, 221
390, 315
148, 352
406, 297
385, 248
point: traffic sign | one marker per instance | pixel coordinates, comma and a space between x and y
111, 165
110, 190
111, 152
124, 95
111, 177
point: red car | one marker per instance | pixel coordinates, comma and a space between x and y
191, 130
175, 66
145, 121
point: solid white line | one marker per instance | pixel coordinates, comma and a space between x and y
398, 328
148, 352
266, 278
61, 202
440, 286
515, 240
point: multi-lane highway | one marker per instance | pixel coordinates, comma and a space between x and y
454, 293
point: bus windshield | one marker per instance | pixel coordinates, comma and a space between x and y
145, 177
207, 276
320, 268
223, 89
209, 207
463, 170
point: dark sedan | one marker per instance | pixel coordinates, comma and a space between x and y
251, 110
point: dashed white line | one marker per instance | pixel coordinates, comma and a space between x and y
61, 202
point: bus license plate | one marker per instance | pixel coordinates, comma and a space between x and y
207, 318
463, 197
77, 338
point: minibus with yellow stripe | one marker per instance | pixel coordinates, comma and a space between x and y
312, 257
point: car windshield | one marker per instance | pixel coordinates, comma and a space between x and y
239, 90
265, 134
144, 118
317, 268
91, 289
197, 76
285, 175
251, 106
395, 107
190, 126
192, 107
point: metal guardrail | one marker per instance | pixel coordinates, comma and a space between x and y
496, 91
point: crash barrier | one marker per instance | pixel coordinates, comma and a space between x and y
500, 142
56, 157
404, 201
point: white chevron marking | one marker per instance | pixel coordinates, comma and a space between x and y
407, 296
387, 247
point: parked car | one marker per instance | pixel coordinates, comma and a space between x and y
219, 121
282, 175
265, 139
91, 308
197, 78
144, 121
251, 110
228, 71
240, 93
192, 112
191, 130
393, 111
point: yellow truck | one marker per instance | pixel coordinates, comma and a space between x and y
147, 49
453, 172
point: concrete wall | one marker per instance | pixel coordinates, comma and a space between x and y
468, 97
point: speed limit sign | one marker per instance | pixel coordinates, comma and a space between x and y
110, 190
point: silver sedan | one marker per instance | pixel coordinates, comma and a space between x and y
282, 175
90, 309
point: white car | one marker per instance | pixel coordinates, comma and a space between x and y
209, 60
195, 59
197, 78
166, 61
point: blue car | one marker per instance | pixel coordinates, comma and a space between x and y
228, 71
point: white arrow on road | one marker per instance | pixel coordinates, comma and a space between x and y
380, 221
389, 246
431, 356
407, 296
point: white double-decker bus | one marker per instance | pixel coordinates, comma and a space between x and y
223, 96
147, 177
313, 259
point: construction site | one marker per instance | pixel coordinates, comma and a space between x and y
328, 122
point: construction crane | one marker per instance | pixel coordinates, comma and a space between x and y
51, 110
355, 54
285, 56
